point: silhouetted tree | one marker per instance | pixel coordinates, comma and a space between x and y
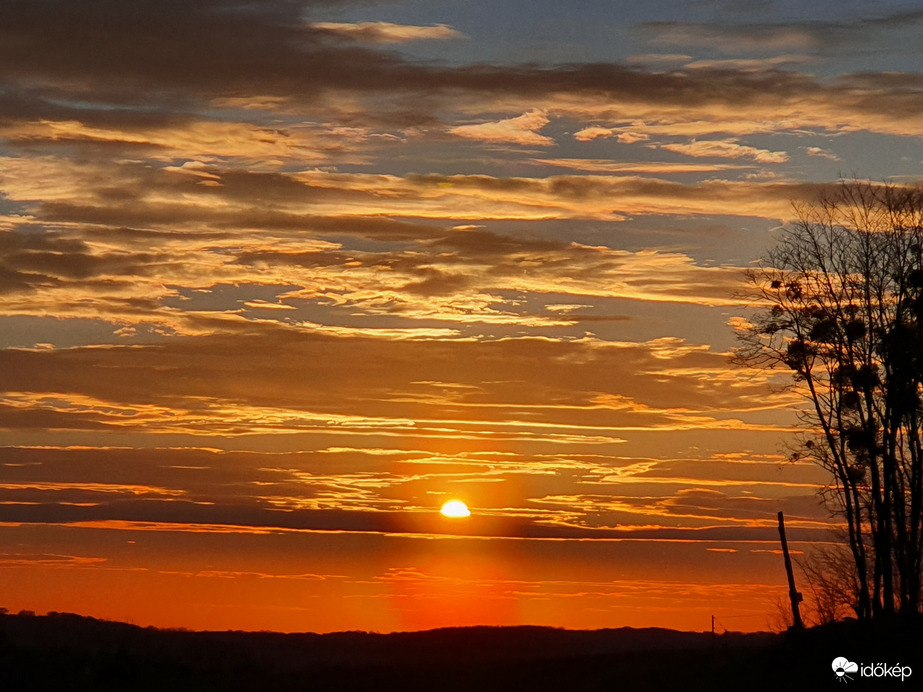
840, 305
833, 587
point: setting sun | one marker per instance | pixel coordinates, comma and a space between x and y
455, 509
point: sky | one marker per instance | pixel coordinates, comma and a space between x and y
279, 278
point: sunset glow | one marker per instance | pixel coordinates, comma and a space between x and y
279, 278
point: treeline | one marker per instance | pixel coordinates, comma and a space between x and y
69, 652
61, 651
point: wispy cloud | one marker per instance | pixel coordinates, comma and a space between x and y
730, 149
519, 130
822, 153
651, 167
385, 32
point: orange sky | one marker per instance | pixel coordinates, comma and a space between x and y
278, 279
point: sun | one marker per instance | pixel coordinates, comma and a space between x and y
455, 509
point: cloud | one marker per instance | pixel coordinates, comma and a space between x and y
741, 38
658, 58
385, 32
726, 149
822, 153
652, 167
562, 393
212, 46
631, 137
94, 68
263, 59
564, 196
751, 65
49, 561
150, 196
144, 250
828, 37
196, 142
376, 490
519, 130
592, 132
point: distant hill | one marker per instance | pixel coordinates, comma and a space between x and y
62, 651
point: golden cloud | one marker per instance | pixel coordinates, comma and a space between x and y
522, 130
386, 32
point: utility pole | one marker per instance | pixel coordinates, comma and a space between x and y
793, 593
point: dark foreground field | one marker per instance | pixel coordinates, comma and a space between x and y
69, 652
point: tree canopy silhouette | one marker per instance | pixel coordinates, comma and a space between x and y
840, 306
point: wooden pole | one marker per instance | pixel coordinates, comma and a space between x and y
793, 593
